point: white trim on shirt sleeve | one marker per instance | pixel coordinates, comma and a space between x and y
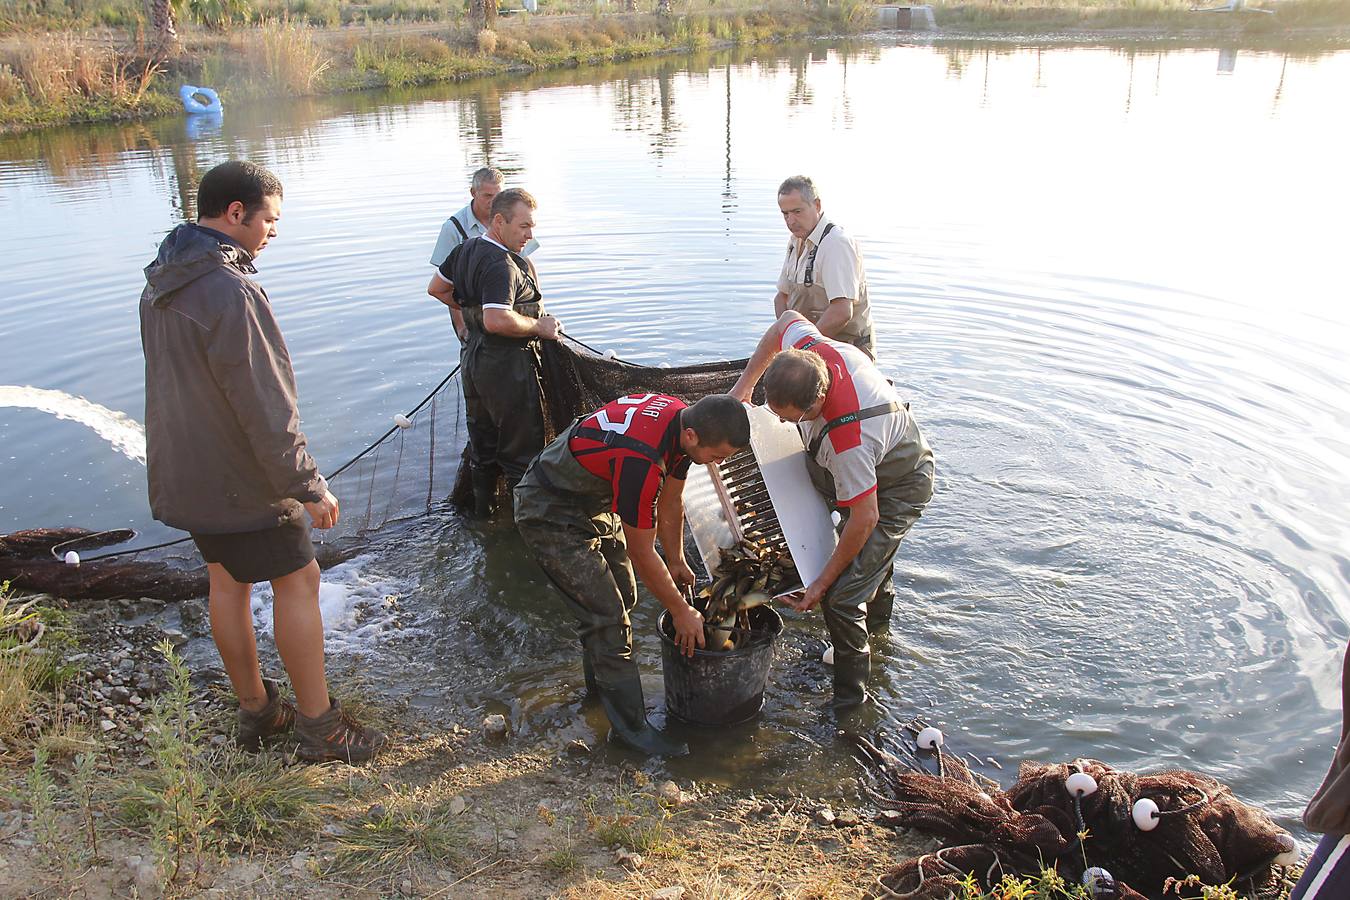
505, 306
442, 277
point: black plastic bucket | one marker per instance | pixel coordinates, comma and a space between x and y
720, 687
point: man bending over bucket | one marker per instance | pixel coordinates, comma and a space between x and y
599, 496
227, 462
866, 455
497, 291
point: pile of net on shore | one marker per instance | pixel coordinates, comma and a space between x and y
407, 473
1199, 830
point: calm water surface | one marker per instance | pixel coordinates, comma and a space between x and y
1110, 280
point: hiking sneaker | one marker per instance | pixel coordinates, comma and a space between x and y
336, 735
274, 719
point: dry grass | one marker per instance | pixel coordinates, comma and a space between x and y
288, 54
20, 672
57, 68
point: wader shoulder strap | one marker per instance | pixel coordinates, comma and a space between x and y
881, 409
615, 440
811, 260
463, 235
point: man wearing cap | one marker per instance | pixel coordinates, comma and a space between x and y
497, 290
822, 276
599, 496
867, 457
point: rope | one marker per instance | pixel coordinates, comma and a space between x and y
587, 346
344, 467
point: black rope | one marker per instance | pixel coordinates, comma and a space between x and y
587, 346
344, 467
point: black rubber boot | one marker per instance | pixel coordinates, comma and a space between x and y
588, 672
880, 607
628, 723
511, 496
850, 678
484, 491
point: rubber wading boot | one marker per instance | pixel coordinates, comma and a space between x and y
274, 719
588, 672
879, 609
628, 723
511, 497
484, 492
850, 679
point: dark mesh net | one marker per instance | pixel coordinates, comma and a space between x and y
407, 471
574, 381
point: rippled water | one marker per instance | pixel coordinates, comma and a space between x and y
1110, 280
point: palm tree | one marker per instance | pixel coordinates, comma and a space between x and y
164, 23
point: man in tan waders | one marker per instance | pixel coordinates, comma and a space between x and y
599, 496
498, 291
822, 276
867, 457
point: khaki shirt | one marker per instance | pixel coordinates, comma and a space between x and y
837, 272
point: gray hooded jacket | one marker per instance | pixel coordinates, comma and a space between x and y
224, 451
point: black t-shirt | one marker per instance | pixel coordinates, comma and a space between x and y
487, 275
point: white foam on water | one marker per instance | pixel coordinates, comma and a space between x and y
359, 603
123, 432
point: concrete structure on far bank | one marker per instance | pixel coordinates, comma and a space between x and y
907, 18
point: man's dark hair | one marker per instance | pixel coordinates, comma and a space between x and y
795, 378
239, 180
718, 419
504, 204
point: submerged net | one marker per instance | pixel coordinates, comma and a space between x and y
409, 471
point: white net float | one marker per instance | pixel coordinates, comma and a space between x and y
930, 738
402, 421
72, 558
1081, 784
1145, 814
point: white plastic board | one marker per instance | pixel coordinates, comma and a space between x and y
801, 511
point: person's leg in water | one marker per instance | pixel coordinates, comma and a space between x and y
586, 560
515, 406
483, 469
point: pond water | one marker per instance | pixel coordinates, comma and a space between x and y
1111, 280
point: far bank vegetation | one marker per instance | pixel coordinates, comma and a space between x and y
97, 60
67, 61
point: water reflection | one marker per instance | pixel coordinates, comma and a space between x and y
1137, 547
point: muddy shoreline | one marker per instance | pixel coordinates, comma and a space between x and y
525, 814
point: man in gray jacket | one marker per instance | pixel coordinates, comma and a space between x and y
227, 462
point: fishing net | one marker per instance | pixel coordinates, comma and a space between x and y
408, 471
575, 380
1200, 830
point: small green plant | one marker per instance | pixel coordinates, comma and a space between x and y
563, 861
42, 802
637, 822
388, 837
82, 780
174, 798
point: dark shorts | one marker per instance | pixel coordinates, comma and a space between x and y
254, 556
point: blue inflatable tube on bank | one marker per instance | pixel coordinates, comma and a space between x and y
192, 103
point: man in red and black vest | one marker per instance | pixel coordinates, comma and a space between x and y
599, 496
867, 457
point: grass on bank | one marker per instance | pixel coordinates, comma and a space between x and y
54, 78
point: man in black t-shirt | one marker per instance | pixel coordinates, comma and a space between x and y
498, 291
